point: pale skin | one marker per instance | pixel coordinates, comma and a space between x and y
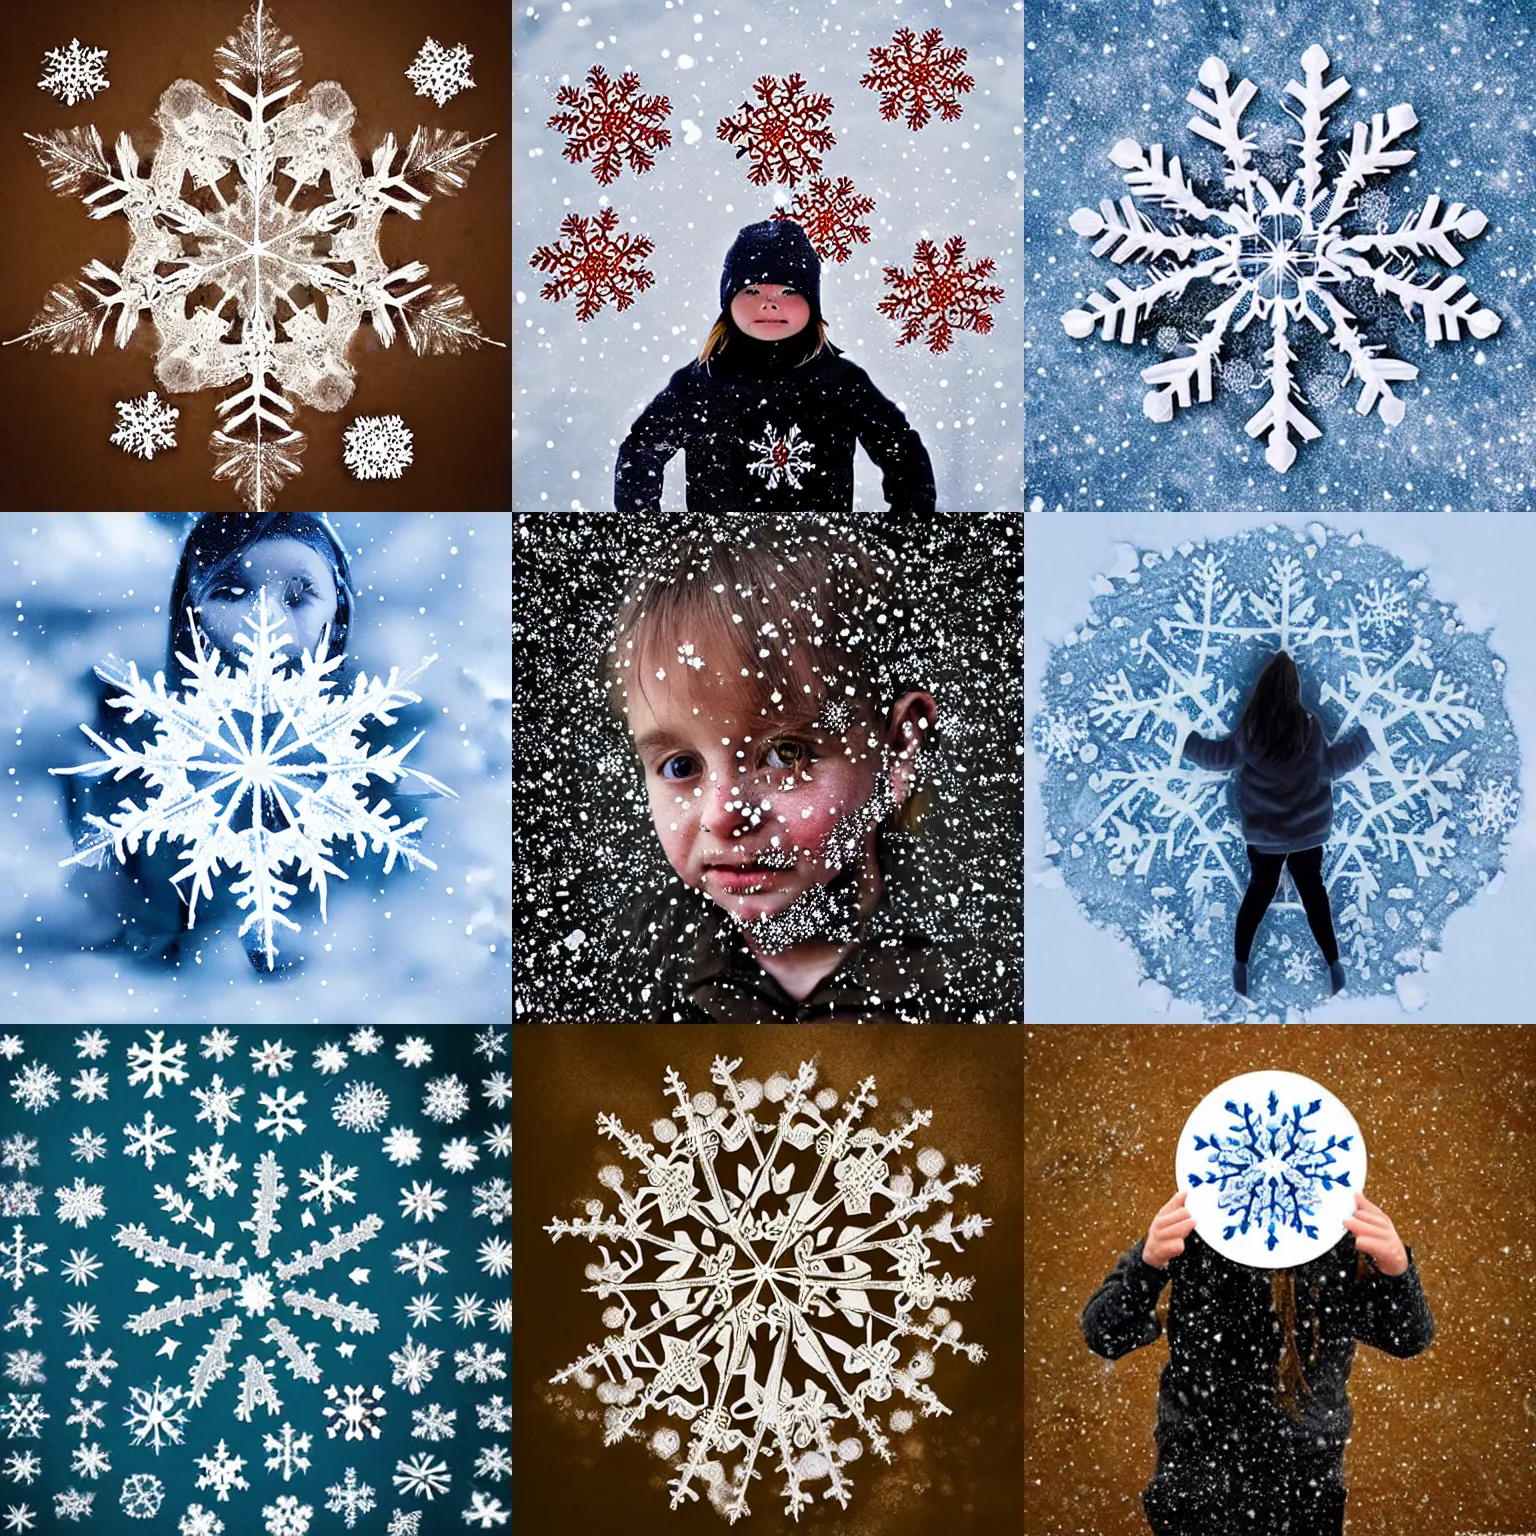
298, 583
743, 808
1375, 1236
770, 311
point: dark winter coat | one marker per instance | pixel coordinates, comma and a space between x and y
751, 405
1227, 1447
1284, 806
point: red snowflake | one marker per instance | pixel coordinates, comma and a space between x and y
599, 264
941, 295
829, 213
611, 123
781, 136
914, 76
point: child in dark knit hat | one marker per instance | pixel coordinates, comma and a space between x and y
769, 413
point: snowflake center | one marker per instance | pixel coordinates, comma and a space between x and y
1280, 257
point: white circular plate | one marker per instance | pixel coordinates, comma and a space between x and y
1271, 1161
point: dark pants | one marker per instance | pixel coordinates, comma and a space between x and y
1244, 1488
1307, 873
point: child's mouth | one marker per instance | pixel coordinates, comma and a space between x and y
740, 877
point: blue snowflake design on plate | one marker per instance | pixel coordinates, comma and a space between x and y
1153, 848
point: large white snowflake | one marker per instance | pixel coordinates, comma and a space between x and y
266, 203
377, 447
259, 768
1281, 258
74, 73
777, 1265
439, 72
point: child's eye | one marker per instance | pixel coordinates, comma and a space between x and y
679, 766
229, 592
789, 753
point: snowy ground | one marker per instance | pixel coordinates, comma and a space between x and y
581, 385
413, 948
1076, 972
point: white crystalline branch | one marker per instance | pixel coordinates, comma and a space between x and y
178, 1309
156, 1251
349, 1315
340, 1244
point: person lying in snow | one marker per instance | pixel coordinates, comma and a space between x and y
779, 759
769, 413
1285, 773
1252, 1412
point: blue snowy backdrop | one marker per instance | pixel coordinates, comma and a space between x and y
1096, 74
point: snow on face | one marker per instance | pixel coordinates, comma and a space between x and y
770, 311
297, 579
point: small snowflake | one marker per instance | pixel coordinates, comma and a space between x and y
1382, 607
89, 1461
940, 295
610, 123
413, 1051
365, 1040
280, 1119
71, 1504
422, 1310
81, 1317
25, 1317
22, 1467
23, 1416
485, 1512
414, 1365
155, 1415
781, 458
272, 1057
915, 76
290, 1452
25, 1366
328, 1183
91, 1046
20, 1258
349, 1498
199, 1522
422, 1476
19, 1199
329, 1059
501, 1315
145, 426
830, 213
446, 1099
782, 135
218, 1104
287, 1517
88, 1145
74, 73
218, 1045
439, 72
82, 1267
142, 1496
422, 1257
498, 1090
1059, 735
594, 262
490, 1042
404, 1523
1494, 808
149, 1140
433, 1422
402, 1146
498, 1141
459, 1155
89, 1085
495, 1256
421, 1202
356, 1410
377, 447
1298, 966
1159, 925
360, 1107
19, 1152
221, 1472
493, 1200
479, 1364
35, 1087
467, 1310
212, 1173
494, 1461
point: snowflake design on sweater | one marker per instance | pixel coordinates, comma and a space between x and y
439, 72
801, 1240
829, 212
1281, 258
592, 261
940, 295
222, 781
268, 260
377, 447
1173, 644
74, 73
915, 76
781, 458
610, 122
145, 426
781, 137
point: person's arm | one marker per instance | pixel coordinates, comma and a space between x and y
1219, 753
892, 443
1347, 755
1122, 1314
1392, 1313
655, 437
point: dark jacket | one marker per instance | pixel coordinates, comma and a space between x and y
1224, 1437
751, 406
1285, 806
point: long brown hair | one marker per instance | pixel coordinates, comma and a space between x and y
1290, 1378
722, 330
1274, 723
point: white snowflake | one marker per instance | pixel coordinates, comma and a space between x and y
422, 1476
781, 458
149, 1140
355, 1409
25, 1366
142, 1496
72, 1504
1299, 966
404, 1523
498, 1090
446, 1099
221, 1472
23, 1416
330, 1059
434, 1422
491, 1042
287, 1517
219, 1104
494, 1461
10, 1046
495, 1256
467, 1310
20, 1517
1493, 809
493, 1200
88, 1145
422, 1257
271, 1057
413, 1051
85, 1418
310, 772
93, 1367
1159, 926
74, 73
349, 1498
479, 1364
1382, 607
501, 1315
19, 1152
19, 1198
212, 1173
155, 1415
485, 1511
1281, 258
494, 1415
80, 1317
423, 1310
1059, 734
329, 1183
22, 1467
199, 1522
377, 447
365, 1040
281, 1119
498, 1141
361, 1106
290, 1452
89, 1461
414, 1365
25, 1317
459, 1155
145, 426
421, 1202
218, 1045
439, 72
89, 1085
20, 1259
35, 1087
82, 1268
402, 1146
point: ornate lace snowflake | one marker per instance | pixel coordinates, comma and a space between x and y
611, 122
782, 137
914, 76
829, 212
74, 73
439, 72
1277, 257
778, 1266
590, 260
1174, 643
940, 295
349, 1498
781, 458
145, 426
266, 202
377, 447
287, 1517
257, 746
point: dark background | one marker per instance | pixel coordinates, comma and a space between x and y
57, 411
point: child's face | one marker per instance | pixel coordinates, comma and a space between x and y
744, 808
298, 583
770, 311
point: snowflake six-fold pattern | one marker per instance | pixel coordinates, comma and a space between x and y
441, 73
940, 295
1280, 258
610, 123
377, 447
764, 1277
594, 262
145, 426
784, 457
74, 73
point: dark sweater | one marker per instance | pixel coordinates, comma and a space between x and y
1284, 806
751, 405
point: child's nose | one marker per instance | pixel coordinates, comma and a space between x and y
732, 808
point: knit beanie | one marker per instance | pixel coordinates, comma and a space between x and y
775, 251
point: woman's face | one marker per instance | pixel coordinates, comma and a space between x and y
770, 311
298, 583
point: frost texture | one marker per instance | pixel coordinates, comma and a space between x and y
307, 772
1278, 257
794, 1250
590, 260
145, 426
611, 122
211, 214
913, 76
439, 72
940, 295
74, 73
377, 447
782, 137
1175, 644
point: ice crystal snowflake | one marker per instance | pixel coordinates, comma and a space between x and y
1280, 258
25, 1317
290, 1452
479, 1364
422, 1257
467, 1310
93, 1367
221, 1472
610, 122
439, 72
272, 1057
35, 1087
484, 1512
446, 1099
421, 1202
213, 1173
914, 76
781, 458
89, 1461
434, 1422
594, 262
81, 1317
328, 1183
88, 1145
89, 1085
829, 212
19, 1152
20, 1258
268, 259
494, 1461
404, 1523
377, 447
1174, 644
19, 1199
355, 1409
80, 1202
287, 1517
219, 1104
422, 1476
73, 1505
413, 1051
360, 1107
459, 1155
414, 1365
199, 1522
329, 1059
307, 771
493, 1200
149, 1140
281, 1118
82, 1267
155, 1415
495, 1257
22, 1467
1493, 809
24, 1366
803, 1227
10, 1046
782, 136
74, 73
401, 1146
145, 426
349, 1498
142, 1496
940, 295
23, 1416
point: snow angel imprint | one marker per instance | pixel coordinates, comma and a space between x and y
779, 755
770, 412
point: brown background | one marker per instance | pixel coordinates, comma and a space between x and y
957, 1475
1441, 1442
57, 411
